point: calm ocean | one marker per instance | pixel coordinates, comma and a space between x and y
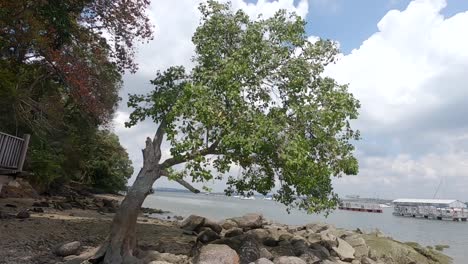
425, 232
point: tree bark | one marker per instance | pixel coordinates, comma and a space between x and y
122, 240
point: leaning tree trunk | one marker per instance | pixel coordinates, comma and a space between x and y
122, 240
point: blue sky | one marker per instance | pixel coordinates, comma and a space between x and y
352, 22
406, 61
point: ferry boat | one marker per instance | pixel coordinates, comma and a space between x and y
360, 207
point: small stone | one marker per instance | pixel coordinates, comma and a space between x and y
68, 249
23, 214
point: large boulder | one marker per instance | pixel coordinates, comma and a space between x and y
192, 223
344, 250
249, 250
249, 221
217, 254
288, 260
68, 249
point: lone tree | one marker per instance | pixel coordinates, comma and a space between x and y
256, 98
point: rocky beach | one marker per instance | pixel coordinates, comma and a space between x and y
68, 229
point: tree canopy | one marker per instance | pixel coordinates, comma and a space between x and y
256, 98
61, 64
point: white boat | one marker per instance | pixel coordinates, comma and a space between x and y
247, 198
268, 198
384, 206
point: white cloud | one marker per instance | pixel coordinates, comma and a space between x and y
410, 77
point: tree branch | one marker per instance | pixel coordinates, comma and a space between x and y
181, 159
184, 183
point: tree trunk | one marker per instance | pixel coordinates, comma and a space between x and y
122, 240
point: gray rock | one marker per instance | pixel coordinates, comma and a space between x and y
328, 239
232, 242
359, 244
270, 242
259, 234
284, 248
208, 236
263, 261
249, 221
228, 224
344, 250
217, 254
288, 260
23, 214
249, 250
192, 223
318, 227
264, 253
235, 231
313, 238
285, 236
68, 249
213, 225
309, 258
320, 251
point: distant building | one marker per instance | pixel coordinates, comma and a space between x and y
438, 203
431, 208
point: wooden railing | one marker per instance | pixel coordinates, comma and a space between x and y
13, 152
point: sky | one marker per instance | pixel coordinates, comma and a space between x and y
406, 61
